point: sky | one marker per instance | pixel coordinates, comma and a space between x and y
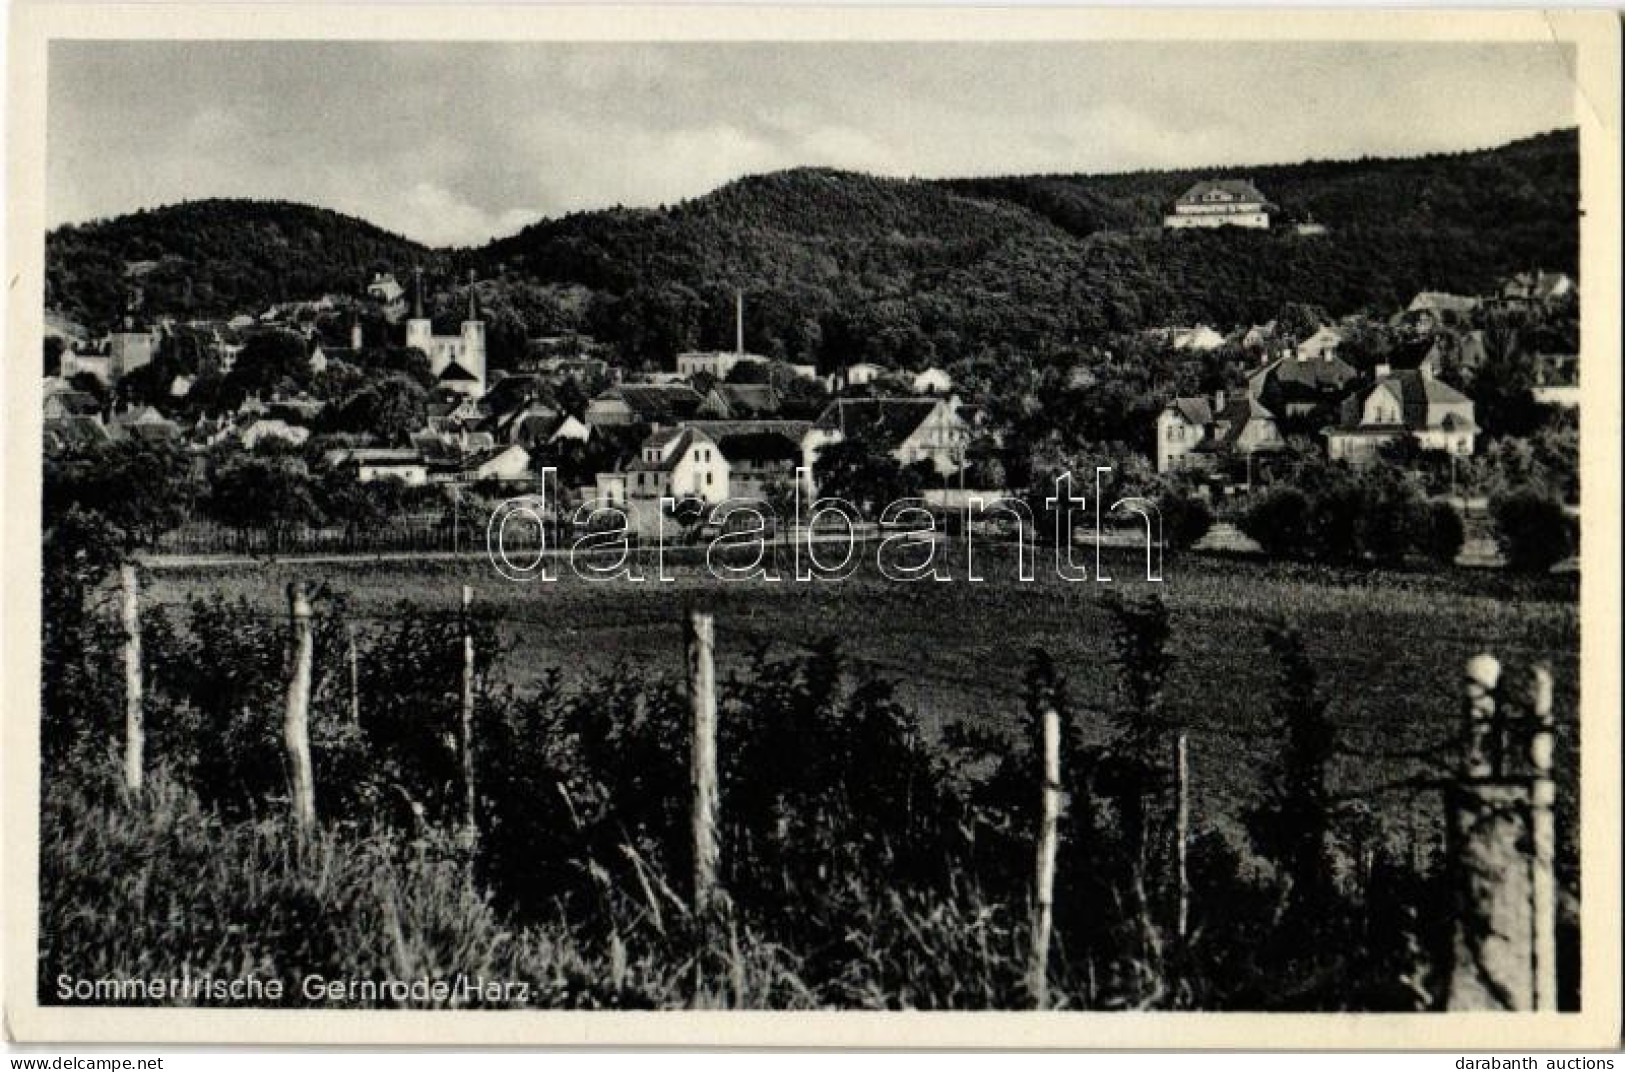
452, 144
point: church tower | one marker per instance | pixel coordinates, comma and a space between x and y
472, 351
419, 329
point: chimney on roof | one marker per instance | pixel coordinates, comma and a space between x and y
355, 334
1218, 401
1383, 369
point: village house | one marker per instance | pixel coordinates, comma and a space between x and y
1536, 288
271, 428
761, 454
144, 424
1220, 203
678, 463
508, 464
911, 430
72, 434
740, 401
1557, 380
1400, 403
1433, 310
321, 355
62, 401
381, 463
642, 403
932, 381
859, 375
1300, 386
89, 362
1322, 345
385, 288
1197, 433
1199, 339
714, 363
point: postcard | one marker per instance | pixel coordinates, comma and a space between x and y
787, 526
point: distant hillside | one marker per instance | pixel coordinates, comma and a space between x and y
840, 266
215, 257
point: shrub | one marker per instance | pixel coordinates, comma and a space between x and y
1444, 533
1532, 531
1279, 522
1185, 519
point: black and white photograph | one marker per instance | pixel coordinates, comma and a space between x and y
1071, 523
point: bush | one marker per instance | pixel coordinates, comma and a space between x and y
1279, 522
1444, 533
1532, 531
1185, 519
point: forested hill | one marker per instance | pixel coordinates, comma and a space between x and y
215, 257
840, 266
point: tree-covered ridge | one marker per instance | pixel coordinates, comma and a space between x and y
840, 267
214, 258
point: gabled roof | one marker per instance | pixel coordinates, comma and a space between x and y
1305, 380
884, 422
1195, 411
679, 444
455, 372
72, 433
1425, 402
742, 400
76, 403
1439, 301
756, 440
656, 402
1232, 420
1238, 189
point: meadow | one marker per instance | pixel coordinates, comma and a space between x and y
878, 794
1389, 646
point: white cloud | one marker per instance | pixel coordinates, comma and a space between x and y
435, 215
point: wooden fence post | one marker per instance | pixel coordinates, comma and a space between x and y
135, 734
296, 722
470, 821
1501, 845
1543, 837
1182, 834
1048, 835
699, 638
355, 678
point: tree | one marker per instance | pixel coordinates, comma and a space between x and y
271, 360
142, 489
864, 476
388, 409
274, 493
1444, 533
1532, 530
1279, 521
1292, 825
1185, 519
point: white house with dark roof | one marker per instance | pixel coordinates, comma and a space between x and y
677, 462
912, 430
1197, 433
1398, 403
1220, 203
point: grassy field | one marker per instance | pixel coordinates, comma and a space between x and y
1389, 645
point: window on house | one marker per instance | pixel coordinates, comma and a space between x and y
708, 477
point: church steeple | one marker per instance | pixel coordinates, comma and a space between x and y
417, 292
473, 313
